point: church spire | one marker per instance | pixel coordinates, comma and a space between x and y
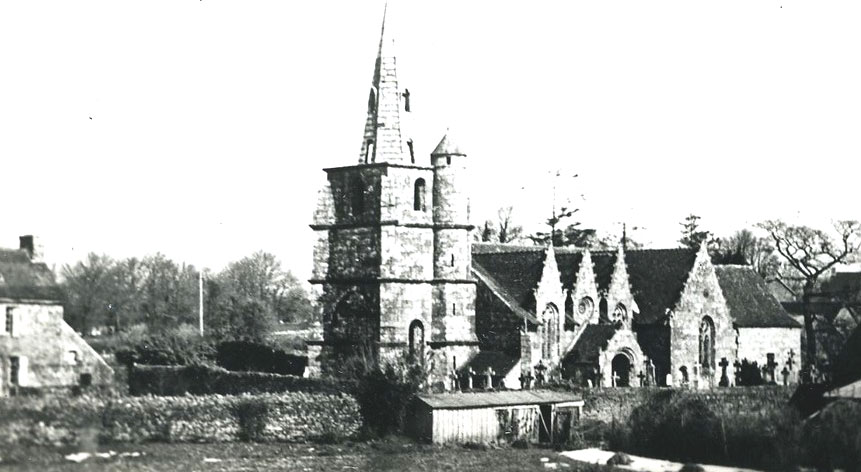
382, 140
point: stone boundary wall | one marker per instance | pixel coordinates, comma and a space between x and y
607, 405
205, 380
85, 421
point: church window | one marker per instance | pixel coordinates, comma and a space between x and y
550, 317
417, 337
620, 313
585, 308
419, 196
372, 101
14, 370
412, 151
602, 310
369, 151
357, 196
707, 344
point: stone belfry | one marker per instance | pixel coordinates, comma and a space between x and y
392, 255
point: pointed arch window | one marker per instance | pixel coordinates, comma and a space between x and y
620, 314
550, 344
707, 344
369, 151
419, 195
603, 310
417, 338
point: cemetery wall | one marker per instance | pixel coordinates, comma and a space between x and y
607, 405
83, 421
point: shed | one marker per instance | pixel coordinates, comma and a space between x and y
504, 416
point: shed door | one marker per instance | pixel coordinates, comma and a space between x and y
545, 430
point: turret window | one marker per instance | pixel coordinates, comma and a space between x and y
452, 260
369, 150
419, 195
412, 151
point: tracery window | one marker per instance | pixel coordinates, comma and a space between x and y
707, 344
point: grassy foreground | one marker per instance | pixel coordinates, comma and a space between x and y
390, 455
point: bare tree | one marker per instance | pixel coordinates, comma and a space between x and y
744, 247
811, 253
507, 231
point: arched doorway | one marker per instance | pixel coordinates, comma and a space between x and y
621, 370
352, 324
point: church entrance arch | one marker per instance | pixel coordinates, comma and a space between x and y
621, 370
353, 324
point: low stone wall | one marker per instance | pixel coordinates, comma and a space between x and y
203, 380
609, 404
84, 421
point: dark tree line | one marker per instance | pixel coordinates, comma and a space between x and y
245, 300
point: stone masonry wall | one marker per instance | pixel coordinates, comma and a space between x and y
754, 344
407, 253
51, 354
400, 305
354, 252
451, 190
454, 312
452, 254
398, 195
701, 297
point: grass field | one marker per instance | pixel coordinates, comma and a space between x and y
386, 456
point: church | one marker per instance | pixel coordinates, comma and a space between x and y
396, 270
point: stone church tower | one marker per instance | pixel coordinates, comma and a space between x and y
392, 252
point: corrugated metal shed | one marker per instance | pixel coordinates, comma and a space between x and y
493, 399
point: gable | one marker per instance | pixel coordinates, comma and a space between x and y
656, 276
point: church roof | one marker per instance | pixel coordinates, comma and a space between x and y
750, 303
594, 338
657, 276
500, 363
22, 279
447, 147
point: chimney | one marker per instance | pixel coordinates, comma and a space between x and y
33, 246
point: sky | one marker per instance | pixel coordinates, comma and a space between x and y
199, 128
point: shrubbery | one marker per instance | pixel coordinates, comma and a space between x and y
833, 437
249, 356
678, 427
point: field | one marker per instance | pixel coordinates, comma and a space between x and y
391, 455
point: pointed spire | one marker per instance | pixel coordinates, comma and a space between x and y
620, 290
549, 288
382, 140
447, 147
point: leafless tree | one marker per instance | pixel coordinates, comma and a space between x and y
811, 253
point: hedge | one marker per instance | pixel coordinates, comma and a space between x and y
77, 421
205, 380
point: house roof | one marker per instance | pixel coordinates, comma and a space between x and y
593, 340
828, 309
493, 399
499, 362
657, 276
750, 303
22, 279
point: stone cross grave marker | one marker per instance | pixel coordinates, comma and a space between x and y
489, 373
469, 374
724, 380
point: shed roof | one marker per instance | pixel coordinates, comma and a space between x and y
492, 399
750, 303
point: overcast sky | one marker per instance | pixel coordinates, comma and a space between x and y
200, 128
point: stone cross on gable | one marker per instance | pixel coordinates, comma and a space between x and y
724, 379
489, 373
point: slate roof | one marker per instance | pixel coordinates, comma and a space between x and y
750, 303
21, 279
492, 399
593, 339
499, 362
447, 147
657, 276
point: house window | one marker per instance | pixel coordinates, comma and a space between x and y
10, 320
86, 380
72, 357
707, 344
14, 370
419, 195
